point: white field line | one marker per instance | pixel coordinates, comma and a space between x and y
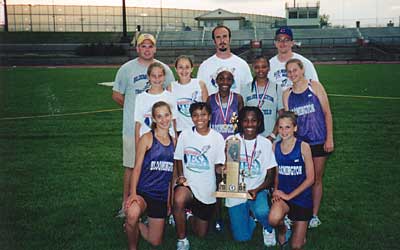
119, 109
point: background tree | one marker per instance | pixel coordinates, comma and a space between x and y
324, 21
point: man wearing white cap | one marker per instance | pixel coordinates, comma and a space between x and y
224, 58
131, 80
284, 43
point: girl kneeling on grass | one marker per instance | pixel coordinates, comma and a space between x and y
292, 188
309, 101
200, 153
151, 180
257, 165
223, 105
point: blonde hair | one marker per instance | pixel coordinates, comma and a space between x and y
296, 61
153, 111
155, 65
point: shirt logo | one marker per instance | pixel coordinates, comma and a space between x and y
183, 105
195, 160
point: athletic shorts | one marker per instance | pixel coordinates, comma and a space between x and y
298, 213
199, 209
155, 208
128, 151
318, 150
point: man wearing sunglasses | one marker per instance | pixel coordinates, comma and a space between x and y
284, 43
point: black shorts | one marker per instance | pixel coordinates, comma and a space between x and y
199, 209
318, 150
155, 208
298, 213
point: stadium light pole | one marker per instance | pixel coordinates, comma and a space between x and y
54, 17
161, 15
5, 17
124, 32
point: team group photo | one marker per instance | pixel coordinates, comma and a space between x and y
199, 138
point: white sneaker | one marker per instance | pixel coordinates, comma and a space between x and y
183, 244
288, 222
171, 220
120, 213
188, 214
314, 222
269, 238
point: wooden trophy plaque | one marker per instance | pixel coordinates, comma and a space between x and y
233, 185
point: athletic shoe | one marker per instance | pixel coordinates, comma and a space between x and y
171, 220
269, 238
120, 213
188, 213
314, 222
144, 219
219, 226
183, 244
288, 222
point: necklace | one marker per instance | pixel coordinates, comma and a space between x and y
260, 102
253, 153
218, 100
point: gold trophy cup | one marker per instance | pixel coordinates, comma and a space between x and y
232, 186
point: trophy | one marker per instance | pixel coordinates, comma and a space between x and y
232, 184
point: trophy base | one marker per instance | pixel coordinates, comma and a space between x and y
221, 194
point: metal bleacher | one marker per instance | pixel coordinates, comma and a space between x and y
386, 35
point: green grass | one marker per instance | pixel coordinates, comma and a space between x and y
61, 177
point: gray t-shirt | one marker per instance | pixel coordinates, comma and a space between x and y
269, 103
131, 80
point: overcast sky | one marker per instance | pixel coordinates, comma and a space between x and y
341, 12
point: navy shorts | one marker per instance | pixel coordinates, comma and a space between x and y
155, 208
199, 209
318, 150
298, 213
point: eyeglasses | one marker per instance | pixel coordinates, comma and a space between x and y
284, 40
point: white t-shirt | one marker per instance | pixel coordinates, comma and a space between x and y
277, 72
241, 72
263, 160
131, 80
185, 95
199, 154
144, 104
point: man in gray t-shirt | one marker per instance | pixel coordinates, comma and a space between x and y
131, 80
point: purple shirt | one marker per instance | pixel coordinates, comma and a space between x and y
217, 116
311, 126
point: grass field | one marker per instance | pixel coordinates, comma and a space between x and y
61, 176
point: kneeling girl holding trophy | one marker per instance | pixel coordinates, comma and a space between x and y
257, 170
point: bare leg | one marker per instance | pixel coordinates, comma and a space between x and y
127, 181
278, 211
154, 231
132, 218
182, 196
199, 226
319, 166
299, 234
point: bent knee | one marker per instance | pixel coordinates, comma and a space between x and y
296, 246
132, 216
274, 219
262, 212
155, 242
